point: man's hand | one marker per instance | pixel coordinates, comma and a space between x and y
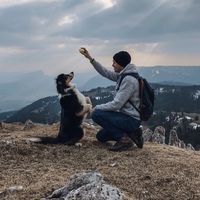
85, 52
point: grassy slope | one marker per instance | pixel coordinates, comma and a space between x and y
155, 172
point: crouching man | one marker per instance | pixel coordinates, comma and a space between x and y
118, 118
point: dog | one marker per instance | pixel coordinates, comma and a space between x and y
74, 108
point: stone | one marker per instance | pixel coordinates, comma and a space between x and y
159, 135
147, 135
28, 125
87, 185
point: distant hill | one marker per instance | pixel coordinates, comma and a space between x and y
168, 98
178, 99
6, 115
25, 89
45, 110
97, 81
20, 89
175, 83
173, 75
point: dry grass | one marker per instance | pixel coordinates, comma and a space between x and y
155, 172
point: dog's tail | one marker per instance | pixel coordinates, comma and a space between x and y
70, 137
48, 140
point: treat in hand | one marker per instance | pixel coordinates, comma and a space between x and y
82, 50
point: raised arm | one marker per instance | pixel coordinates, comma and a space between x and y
113, 76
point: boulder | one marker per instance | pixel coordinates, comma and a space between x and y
87, 185
28, 125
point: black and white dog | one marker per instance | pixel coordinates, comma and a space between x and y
74, 108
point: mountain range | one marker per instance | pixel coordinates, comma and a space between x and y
20, 89
167, 98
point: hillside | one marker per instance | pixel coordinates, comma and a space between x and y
17, 91
168, 98
45, 110
155, 172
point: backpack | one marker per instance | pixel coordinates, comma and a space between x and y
146, 94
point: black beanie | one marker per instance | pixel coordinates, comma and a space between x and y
122, 58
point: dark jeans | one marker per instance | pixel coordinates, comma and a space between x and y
114, 124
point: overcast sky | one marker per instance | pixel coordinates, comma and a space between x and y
46, 34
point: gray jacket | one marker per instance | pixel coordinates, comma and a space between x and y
129, 90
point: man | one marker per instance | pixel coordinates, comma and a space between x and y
118, 118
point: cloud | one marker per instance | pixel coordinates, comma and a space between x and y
106, 3
66, 20
138, 21
7, 3
45, 33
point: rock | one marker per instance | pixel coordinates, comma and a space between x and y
173, 138
28, 125
159, 135
182, 144
87, 185
147, 135
113, 164
190, 147
32, 139
95, 191
7, 142
15, 188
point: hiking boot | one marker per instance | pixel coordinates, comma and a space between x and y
137, 138
121, 145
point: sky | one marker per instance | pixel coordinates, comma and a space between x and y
47, 34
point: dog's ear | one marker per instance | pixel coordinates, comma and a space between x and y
60, 79
60, 83
71, 74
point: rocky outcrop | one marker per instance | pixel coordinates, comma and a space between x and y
87, 185
28, 125
159, 135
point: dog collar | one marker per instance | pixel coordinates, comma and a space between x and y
67, 91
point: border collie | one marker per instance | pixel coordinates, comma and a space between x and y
74, 108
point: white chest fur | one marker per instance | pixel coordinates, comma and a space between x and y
81, 97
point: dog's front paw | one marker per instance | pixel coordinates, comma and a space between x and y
87, 108
90, 109
88, 100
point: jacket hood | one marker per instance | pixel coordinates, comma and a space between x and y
130, 68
